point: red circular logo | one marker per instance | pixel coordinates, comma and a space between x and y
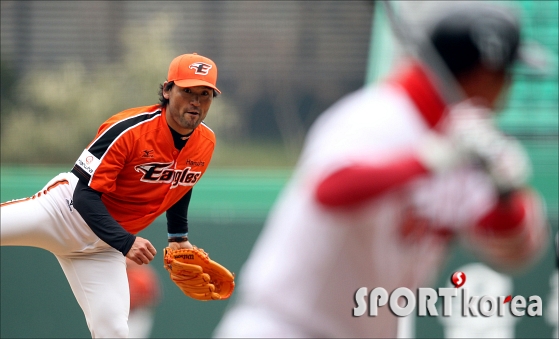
88, 160
458, 279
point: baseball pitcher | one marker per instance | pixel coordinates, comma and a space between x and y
142, 163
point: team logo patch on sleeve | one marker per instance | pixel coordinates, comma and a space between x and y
163, 173
88, 162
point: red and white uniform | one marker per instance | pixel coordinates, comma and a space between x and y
134, 164
317, 250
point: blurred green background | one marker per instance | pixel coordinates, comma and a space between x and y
67, 66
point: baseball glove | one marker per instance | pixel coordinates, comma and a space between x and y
197, 275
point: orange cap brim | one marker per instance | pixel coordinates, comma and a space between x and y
195, 82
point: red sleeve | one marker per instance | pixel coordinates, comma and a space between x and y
506, 216
514, 234
354, 184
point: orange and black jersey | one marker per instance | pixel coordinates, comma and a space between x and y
134, 164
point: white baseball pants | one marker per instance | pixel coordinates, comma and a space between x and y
96, 271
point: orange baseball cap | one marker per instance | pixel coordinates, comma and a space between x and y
189, 70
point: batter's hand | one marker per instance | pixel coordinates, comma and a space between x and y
474, 133
141, 252
470, 135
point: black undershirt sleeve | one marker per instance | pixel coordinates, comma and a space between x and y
177, 221
88, 203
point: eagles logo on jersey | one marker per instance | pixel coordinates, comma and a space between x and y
163, 173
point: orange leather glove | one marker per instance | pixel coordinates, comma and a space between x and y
197, 275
